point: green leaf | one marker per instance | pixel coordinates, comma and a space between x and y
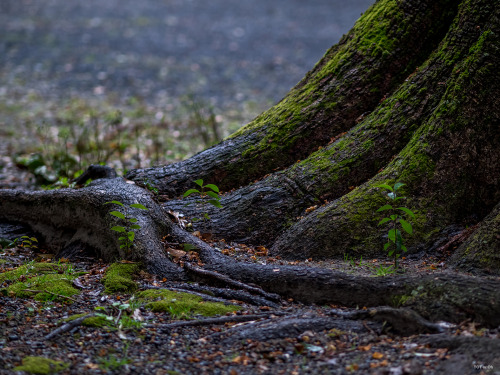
131, 236
212, 194
384, 220
190, 191
403, 247
123, 246
397, 185
118, 229
33, 239
391, 252
25, 237
406, 226
398, 198
392, 235
199, 182
215, 203
385, 186
122, 238
387, 245
385, 208
117, 214
133, 220
135, 226
394, 217
406, 210
139, 206
116, 202
213, 187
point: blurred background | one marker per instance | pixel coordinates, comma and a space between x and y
140, 83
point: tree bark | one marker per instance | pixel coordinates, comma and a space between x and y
439, 144
388, 42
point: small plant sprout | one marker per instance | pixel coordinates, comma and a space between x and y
127, 234
208, 194
28, 242
394, 244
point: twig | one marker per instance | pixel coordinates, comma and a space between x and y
68, 326
46, 291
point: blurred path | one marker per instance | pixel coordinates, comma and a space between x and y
226, 52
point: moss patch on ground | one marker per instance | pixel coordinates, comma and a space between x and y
119, 278
32, 269
91, 321
43, 281
48, 287
41, 365
182, 305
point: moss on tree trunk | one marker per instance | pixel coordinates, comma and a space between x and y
387, 43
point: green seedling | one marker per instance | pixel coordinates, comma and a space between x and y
208, 194
28, 242
394, 245
382, 270
127, 230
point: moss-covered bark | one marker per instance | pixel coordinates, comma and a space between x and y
387, 43
481, 251
450, 164
259, 212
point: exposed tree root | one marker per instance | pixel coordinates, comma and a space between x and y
224, 280
223, 293
401, 321
212, 321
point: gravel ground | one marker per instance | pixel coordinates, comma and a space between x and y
212, 349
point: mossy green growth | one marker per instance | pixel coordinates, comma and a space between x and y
41, 365
32, 269
92, 321
183, 305
48, 278
119, 278
48, 287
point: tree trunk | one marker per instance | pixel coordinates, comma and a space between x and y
438, 151
437, 131
388, 42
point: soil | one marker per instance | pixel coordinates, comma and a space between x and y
351, 347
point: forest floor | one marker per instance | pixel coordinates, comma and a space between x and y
142, 345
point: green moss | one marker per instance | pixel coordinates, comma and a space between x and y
93, 321
41, 365
32, 269
58, 284
48, 278
183, 304
119, 278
